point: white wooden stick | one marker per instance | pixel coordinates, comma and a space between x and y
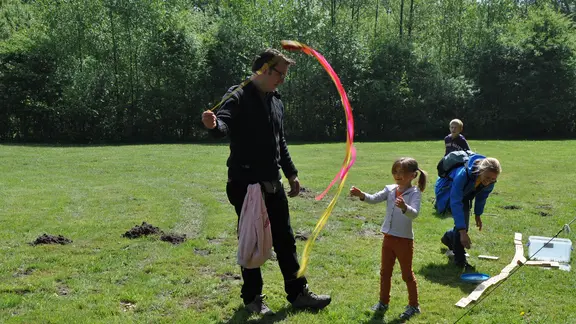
518, 257
552, 264
488, 257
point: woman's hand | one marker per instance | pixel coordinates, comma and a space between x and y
465, 239
479, 222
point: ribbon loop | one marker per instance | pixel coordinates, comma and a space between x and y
349, 158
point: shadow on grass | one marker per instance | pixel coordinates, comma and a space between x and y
379, 317
443, 215
241, 315
446, 274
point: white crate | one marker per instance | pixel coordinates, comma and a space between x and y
556, 250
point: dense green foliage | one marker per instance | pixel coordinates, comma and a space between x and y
144, 70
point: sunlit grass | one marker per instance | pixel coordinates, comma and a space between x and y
92, 195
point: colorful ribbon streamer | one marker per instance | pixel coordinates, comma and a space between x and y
349, 158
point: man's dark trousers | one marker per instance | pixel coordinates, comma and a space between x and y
282, 240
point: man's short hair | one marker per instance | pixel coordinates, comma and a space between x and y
272, 57
457, 122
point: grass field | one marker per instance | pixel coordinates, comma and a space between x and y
92, 195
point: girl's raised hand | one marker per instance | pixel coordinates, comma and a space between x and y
401, 204
355, 192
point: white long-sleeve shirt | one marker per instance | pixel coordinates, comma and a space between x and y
396, 222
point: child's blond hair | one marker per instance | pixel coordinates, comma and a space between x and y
457, 122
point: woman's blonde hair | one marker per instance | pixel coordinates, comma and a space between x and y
489, 164
408, 164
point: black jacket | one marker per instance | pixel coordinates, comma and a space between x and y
254, 125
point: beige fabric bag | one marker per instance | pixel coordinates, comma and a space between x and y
254, 234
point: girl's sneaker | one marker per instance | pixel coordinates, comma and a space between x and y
409, 312
380, 307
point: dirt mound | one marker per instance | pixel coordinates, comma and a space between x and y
302, 236
173, 238
147, 229
141, 230
51, 239
511, 207
307, 193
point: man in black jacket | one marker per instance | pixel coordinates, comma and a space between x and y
252, 118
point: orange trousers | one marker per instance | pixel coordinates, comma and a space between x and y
393, 248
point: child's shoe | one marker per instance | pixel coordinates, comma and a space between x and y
409, 312
380, 307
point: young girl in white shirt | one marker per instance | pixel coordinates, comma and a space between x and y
403, 205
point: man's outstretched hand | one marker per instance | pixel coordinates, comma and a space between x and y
209, 119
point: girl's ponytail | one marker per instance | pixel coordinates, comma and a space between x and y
422, 180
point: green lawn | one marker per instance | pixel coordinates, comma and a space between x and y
92, 195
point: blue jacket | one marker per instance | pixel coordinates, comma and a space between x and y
460, 182
462, 188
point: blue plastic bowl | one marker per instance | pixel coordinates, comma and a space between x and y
474, 277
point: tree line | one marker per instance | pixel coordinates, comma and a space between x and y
110, 71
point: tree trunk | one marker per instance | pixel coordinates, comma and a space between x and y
401, 17
411, 17
333, 12
115, 55
376, 18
